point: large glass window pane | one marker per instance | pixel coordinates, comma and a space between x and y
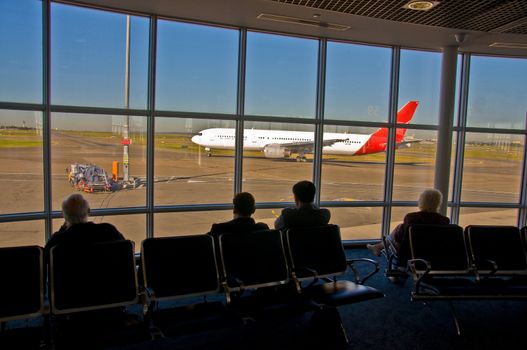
488, 216
357, 82
20, 233
272, 163
492, 167
21, 178
197, 68
420, 76
281, 77
21, 58
188, 223
88, 50
184, 173
349, 171
358, 222
497, 92
414, 164
81, 140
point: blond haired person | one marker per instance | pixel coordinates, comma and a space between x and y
429, 202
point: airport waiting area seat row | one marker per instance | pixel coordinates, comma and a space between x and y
253, 275
450, 263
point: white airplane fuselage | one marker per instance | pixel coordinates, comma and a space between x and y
257, 140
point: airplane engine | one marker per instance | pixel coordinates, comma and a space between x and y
276, 151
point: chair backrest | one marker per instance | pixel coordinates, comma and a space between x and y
179, 266
442, 246
22, 281
253, 259
316, 249
92, 276
500, 244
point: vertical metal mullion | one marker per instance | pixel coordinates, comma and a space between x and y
240, 111
390, 151
151, 127
319, 118
522, 220
46, 117
460, 145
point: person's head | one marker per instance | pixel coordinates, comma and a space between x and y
244, 204
430, 200
75, 209
304, 192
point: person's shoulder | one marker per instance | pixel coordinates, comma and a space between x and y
261, 226
108, 228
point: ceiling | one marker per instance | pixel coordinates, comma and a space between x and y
480, 22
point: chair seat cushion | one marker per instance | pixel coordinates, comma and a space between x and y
341, 293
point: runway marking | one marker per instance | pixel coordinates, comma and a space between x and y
195, 181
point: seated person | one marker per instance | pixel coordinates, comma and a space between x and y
244, 207
305, 214
429, 203
77, 228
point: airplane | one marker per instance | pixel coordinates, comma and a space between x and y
283, 143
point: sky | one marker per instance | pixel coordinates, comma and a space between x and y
197, 71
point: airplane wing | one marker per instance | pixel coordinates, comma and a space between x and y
406, 143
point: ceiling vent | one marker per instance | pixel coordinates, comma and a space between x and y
510, 45
306, 22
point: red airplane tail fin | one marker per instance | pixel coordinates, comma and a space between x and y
377, 141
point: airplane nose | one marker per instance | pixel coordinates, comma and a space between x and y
195, 139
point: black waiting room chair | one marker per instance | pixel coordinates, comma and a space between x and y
317, 257
90, 286
178, 268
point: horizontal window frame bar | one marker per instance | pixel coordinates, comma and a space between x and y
481, 130
195, 115
488, 205
98, 110
21, 106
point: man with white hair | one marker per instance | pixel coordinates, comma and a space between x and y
77, 229
429, 203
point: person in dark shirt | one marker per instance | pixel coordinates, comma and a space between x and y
305, 214
244, 207
429, 203
77, 229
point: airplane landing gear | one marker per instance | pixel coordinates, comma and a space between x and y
301, 158
209, 152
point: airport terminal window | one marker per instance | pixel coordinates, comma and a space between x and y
271, 166
22, 181
358, 222
21, 233
188, 223
88, 50
196, 68
487, 216
414, 164
21, 58
419, 80
184, 172
281, 76
497, 93
79, 141
347, 173
492, 168
357, 82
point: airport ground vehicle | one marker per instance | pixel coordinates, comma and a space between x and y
88, 178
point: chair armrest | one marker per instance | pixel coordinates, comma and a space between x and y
412, 265
358, 279
312, 272
479, 264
